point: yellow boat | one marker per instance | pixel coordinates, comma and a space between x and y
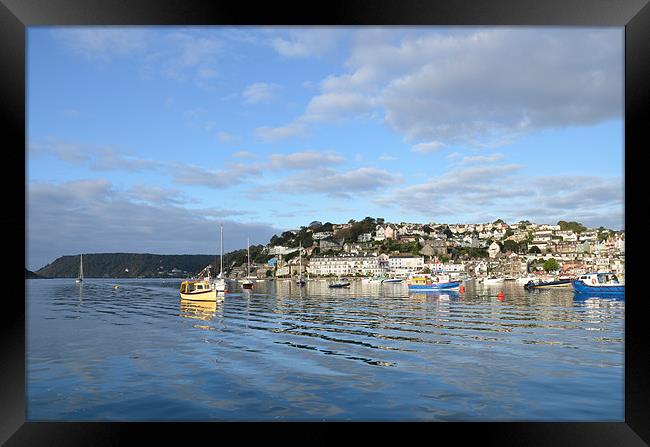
200, 289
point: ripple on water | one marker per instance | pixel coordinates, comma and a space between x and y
368, 353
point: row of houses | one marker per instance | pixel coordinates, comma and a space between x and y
584, 251
365, 264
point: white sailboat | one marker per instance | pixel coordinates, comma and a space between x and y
247, 283
81, 269
300, 281
219, 282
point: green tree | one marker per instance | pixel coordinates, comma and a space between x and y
534, 249
551, 265
510, 245
576, 227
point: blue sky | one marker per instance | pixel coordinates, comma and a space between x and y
145, 139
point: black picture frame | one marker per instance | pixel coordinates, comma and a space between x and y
634, 15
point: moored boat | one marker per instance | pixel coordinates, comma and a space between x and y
219, 283
392, 281
531, 285
339, 284
199, 289
300, 281
372, 280
525, 279
81, 269
598, 283
492, 280
247, 283
427, 282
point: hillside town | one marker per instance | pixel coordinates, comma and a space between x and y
373, 247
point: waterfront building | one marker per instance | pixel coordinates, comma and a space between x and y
405, 264
348, 264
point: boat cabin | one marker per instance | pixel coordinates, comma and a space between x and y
426, 279
194, 286
592, 279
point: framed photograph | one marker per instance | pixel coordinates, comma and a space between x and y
413, 212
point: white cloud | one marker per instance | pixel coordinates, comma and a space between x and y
476, 187
303, 160
334, 106
259, 92
103, 43
302, 43
426, 148
100, 158
482, 158
231, 175
92, 216
481, 88
226, 137
244, 154
278, 133
339, 183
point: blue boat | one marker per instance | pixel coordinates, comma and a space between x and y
427, 282
598, 283
615, 296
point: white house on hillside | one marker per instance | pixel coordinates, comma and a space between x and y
493, 249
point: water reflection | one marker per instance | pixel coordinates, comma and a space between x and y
202, 310
370, 351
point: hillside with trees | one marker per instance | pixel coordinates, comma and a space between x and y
126, 265
145, 265
31, 275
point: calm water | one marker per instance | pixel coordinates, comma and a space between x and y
373, 352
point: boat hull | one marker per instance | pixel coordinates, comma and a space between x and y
580, 287
208, 295
434, 287
339, 286
493, 281
549, 285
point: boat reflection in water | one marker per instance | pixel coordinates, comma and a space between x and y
447, 295
200, 310
591, 298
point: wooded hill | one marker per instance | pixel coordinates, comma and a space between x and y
138, 265
31, 275
125, 265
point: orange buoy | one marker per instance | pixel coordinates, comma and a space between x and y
462, 289
501, 296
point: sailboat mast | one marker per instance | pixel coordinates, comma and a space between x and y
300, 261
81, 266
248, 248
221, 254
